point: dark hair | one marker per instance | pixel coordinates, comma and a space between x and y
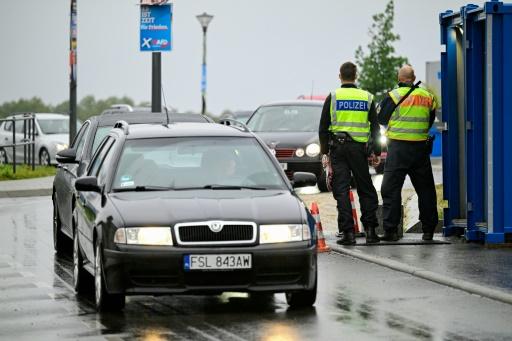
348, 71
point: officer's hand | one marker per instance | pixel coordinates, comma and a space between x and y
375, 160
325, 160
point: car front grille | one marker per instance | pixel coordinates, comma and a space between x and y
201, 234
284, 153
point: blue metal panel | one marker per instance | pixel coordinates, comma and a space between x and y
450, 135
486, 35
474, 31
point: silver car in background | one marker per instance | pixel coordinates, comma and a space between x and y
52, 136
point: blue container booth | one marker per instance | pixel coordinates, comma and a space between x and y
477, 121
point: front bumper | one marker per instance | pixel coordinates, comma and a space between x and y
293, 165
136, 270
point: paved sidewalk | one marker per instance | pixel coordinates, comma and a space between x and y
26, 187
471, 267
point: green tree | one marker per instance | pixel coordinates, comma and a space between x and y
34, 104
379, 67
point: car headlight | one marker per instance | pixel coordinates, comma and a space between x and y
284, 233
383, 140
60, 146
299, 152
312, 150
144, 236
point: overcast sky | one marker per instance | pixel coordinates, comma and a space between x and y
258, 51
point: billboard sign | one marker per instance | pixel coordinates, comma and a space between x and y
155, 28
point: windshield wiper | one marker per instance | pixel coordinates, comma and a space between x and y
142, 189
220, 187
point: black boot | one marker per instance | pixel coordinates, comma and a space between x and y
348, 238
390, 236
371, 236
427, 236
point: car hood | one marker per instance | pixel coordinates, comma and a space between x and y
288, 139
59, 138
169, 208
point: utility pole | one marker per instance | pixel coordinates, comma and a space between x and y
156, 83
73, 72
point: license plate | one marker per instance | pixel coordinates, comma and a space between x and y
217, 262
284, 166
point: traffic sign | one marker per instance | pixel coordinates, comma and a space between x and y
155, 28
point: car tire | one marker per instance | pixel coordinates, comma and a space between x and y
322, 182
103, 300
58, 236
301, 299
380, 168
79, 272
44, 157
3, 157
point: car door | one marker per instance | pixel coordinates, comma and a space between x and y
65, 181
6, 138
90, 202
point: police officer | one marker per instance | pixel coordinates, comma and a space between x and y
408, 154
347, 123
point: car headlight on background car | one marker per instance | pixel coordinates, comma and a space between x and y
312, 150
299, 152
158, 236
284, 233
60, 146
383, 139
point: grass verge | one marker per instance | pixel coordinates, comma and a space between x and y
25, 172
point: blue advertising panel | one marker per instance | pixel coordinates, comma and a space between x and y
155, 28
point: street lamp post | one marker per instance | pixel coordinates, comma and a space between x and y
204, 20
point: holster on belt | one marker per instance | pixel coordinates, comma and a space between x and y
339, 138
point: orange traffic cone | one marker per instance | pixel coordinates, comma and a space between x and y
321, 246
357, 230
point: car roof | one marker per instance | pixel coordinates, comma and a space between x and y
44, 115
298, 102
184, 129
109, 118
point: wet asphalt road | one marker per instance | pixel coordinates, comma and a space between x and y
357, 301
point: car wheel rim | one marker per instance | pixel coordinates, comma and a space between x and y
75, 260
97, 277
44, 158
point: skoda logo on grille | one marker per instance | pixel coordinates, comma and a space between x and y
216, 226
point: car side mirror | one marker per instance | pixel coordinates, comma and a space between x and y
303, 179
66, 156
88, 184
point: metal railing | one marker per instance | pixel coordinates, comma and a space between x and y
28, 141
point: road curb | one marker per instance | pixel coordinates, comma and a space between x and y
26, 193
428, 275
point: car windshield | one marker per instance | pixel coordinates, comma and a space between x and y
286, 118
101, 132
54, 125
196, 163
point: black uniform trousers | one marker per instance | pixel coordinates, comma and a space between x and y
413, 159
346, 158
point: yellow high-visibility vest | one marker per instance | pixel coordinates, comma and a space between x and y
349, 113
410, 121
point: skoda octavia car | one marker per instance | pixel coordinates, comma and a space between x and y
191, 208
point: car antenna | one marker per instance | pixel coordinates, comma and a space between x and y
165, 106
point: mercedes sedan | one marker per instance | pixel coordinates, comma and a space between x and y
191, 208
